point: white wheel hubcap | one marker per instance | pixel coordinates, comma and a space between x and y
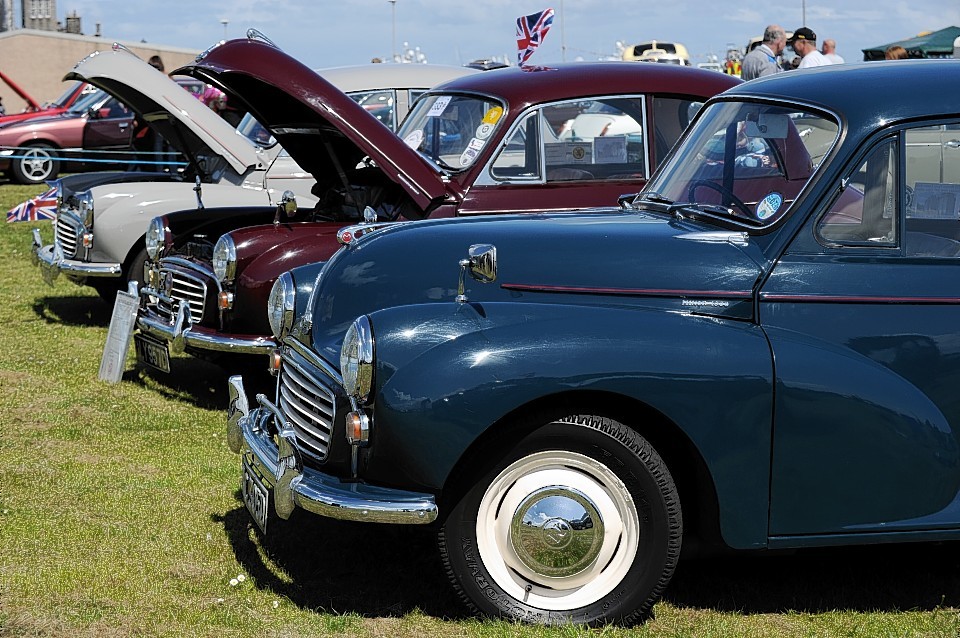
557, 530
36, 163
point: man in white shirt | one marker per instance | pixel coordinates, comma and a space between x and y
804, 44
829, 50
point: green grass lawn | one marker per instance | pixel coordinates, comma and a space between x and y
120, 516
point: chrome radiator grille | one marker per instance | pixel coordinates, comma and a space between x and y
309, 407
66, 236
186, 289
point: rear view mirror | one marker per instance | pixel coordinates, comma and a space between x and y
770, 126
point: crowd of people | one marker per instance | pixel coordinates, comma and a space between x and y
766, 58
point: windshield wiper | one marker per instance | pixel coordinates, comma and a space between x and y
656, 198
715, 209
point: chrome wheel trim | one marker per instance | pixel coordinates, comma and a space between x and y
551, 483
37, 164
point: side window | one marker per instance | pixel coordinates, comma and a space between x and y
865, 213
594, 140
379, 104
670, 117
932, 191
519, 158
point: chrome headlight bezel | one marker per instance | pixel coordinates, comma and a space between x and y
85, 208
280, 305
224, 260
357, 359
155, 238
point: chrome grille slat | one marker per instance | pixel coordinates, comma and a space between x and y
309, 407
66, 236
327, 409
296, 414
185, 289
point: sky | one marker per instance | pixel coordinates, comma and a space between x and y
322, 33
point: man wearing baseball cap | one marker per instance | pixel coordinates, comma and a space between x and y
804, 44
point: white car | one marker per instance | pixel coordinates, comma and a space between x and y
102, 218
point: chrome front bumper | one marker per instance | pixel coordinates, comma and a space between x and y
52, 262
281, 468
182, 333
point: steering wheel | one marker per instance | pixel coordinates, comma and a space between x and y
736, 201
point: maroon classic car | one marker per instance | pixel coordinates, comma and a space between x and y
568, 137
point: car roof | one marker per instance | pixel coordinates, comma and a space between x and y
371, 77
868, 93
521, 87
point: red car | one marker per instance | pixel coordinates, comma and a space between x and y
570, 137
34, 109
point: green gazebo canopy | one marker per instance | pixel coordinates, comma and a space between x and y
936, 44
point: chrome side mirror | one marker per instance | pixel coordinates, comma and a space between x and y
481, 263
286, 208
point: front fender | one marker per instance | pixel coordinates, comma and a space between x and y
446, 373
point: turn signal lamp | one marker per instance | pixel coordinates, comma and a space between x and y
87, 240
275, 362
358, 428
225, 300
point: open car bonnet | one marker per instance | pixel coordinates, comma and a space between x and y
322, 128
183, 120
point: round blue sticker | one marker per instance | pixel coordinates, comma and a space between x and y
769, 205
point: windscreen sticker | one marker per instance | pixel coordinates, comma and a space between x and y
493, 115
484, 130
476, 144
414, 139
769, 205
468, 156
439, 106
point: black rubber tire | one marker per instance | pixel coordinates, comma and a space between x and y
624, 454
42, 166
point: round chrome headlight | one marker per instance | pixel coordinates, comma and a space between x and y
225, 259
155, 238
280, 305
85, 208
356, 359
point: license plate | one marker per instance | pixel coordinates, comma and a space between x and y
255, 497
152, 352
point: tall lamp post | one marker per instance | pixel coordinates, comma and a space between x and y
393, 22
224, 23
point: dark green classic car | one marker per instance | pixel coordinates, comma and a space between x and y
760, 351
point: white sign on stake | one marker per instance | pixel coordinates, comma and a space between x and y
118, 337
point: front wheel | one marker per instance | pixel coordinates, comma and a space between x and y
580, 523
35, 164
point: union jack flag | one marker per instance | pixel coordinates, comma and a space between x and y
43, 206
531, 30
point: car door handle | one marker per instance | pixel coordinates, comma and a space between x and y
123, 125
952, 144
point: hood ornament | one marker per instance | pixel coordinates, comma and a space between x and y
253, 34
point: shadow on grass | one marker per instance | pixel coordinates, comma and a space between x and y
885, 578
385, 570
74, 311
345, 567
202, 382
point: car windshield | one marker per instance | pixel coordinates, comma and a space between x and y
65, 96
744, 161
86, 102
451, 130
256, 132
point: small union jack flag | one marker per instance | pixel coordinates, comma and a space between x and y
531, 30
43, 206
